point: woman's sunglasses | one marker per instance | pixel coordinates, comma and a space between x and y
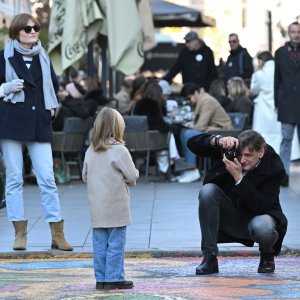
28, 28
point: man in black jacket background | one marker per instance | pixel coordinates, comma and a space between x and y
239, 62
239, 200
195, 62
287, 93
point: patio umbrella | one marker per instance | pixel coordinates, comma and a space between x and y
124, 32
167, 14
74, 23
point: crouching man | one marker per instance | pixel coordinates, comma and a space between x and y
239, 200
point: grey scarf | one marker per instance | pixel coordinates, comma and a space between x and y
10, 74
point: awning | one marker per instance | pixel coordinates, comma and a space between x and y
167, 14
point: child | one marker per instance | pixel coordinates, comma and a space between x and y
109, 170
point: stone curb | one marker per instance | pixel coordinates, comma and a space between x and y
57, 254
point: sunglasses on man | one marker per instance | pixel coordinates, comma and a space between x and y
28, 28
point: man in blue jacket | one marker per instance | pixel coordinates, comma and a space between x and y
239, 200
195, 62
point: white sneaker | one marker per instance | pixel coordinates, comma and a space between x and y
190, 176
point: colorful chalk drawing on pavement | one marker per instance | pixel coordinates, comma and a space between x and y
154, 279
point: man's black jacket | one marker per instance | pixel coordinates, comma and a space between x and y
195, 66
239, 63
256, 194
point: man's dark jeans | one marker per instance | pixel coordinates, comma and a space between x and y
216, 211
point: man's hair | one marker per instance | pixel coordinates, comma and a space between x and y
233, 34
294, 23
251, 139
189, 89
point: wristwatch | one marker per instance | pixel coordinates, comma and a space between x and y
217, 139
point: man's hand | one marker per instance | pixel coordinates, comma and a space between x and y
228, 142
234, 168
13, 86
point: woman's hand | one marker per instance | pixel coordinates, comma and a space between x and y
13, 86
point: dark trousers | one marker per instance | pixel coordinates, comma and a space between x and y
216, 211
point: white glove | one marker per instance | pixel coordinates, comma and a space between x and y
13, 86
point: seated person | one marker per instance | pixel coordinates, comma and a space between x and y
72, 106
209, 115
137, 90
150, 106
238, 93
218, 90
123, 96
239, 200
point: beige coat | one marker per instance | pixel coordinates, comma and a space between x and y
209, 114
108, 175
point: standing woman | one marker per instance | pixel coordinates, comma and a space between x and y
264, 116
28, 101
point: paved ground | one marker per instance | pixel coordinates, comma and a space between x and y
162, 251
154, 278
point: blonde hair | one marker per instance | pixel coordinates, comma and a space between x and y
236, 88
109, 124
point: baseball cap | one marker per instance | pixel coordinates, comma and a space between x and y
192, 35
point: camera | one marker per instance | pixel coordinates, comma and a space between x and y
231, 154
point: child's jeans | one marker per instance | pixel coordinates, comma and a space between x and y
109, 244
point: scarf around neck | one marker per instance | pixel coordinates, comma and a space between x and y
50, 98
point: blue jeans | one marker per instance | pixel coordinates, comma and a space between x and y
217, 212
287, 131
185, 135
109, 248
42, 162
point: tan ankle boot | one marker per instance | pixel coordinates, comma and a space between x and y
20, 235
58, 237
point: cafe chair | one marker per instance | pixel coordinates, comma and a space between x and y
239, 120
69, 143
142, 142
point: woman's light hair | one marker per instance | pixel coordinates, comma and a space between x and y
236, 88
109, 126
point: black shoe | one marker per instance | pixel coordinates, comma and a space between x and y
209, 265
267, 264
118, 285
285, 181
99, 285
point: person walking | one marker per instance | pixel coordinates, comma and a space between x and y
239, 200
287, 93
195, 62
28, 102
108, 170
239, 61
